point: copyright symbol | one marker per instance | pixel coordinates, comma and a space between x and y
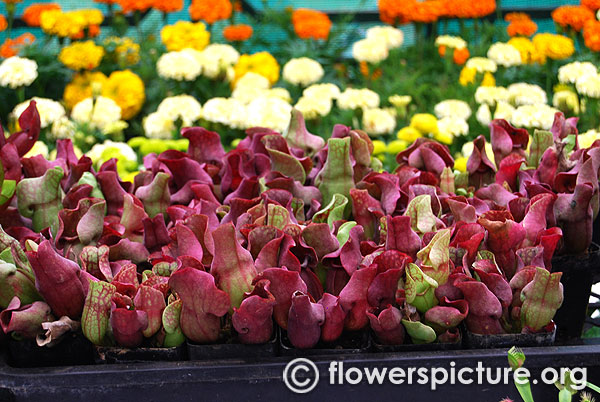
295, 375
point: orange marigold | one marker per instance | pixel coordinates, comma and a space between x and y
3, 23
311, 24
210, 11
11, 47
471, 8
591, 4
426, 11
32, 14
237, 33
574, 17
591, 35
461, 56
521, 28
92, 32
168, 6
135, 5
107, 1
393, 11
510, 17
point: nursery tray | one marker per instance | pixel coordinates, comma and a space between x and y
103, 354
477, 341
232, 350
261, 378
347, 343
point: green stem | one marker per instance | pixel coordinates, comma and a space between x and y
10, 10
165, 17
498, 10
549, 78
21, 94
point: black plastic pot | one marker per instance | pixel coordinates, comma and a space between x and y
232, 350
73, 350
477, 341
348, 343
578, 273
104, 354
412, 347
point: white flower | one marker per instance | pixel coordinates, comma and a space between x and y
400, 100
97, 153
302, 71
504, 110
370, 50
228, 111
522, 93
586, 139
179, 66
17, 72
353, 98
484, 115
329, 91
313, 107
482, 64
159, 125
566, 100
491, 95
504, 54
569, 73
271, 113
453, 125
534, 116
392, 37
452, 108
589, 85
252, 80
101, 114
48, 109
216, 59
467, 150
280, 93
39, 148
378, 121
184, 107
454, 42
63, 128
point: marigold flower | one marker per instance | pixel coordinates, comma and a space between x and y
80, 87
127, 89
471, 8
123, 51
529, 53
393, 12
81, 55
591, 4
3, 23
262, 63
237, 33
311, 24
210, 11
591, 35
522, 28
556, 47
510, 17
185, 34
467, 76
461, 56
168, 6
32, 14
11, 47
129, 6
426, 11
573, 17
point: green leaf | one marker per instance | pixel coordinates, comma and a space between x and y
334, 211
422, 219
541, 298
419, 332
8, 190
541, 141
337, 175
420, 288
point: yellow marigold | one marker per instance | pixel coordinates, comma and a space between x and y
81, 55
64, 25
122, 51
426, 123
168, 6
311, 24
467, 76
460, 163
127, 89
396, 146
210, 11
378, 147
408, 134
556, 47
135, 5
237, 33
262, 63
573, 17
529, 53
92, 16
488, 80
32, 14
185, 34
82, 87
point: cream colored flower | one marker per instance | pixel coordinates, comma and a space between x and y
534, 116
586, 139
392, 37
566, 101
491, 95
39, 148
17, 72
353, 98
484, 115
400, 101
302, 71
589, 85
216, 58
179, 66
482, 64
454, 42
330, 91
252, 80
99, 114
370, 50
504, 110
159, 125
522, 93
62, 128
271, 113
184, 107
504, 54
228, 111
313, 107
378, 121
99, 152
453, 125
452, 108
48, 109
569, 73
467, 150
